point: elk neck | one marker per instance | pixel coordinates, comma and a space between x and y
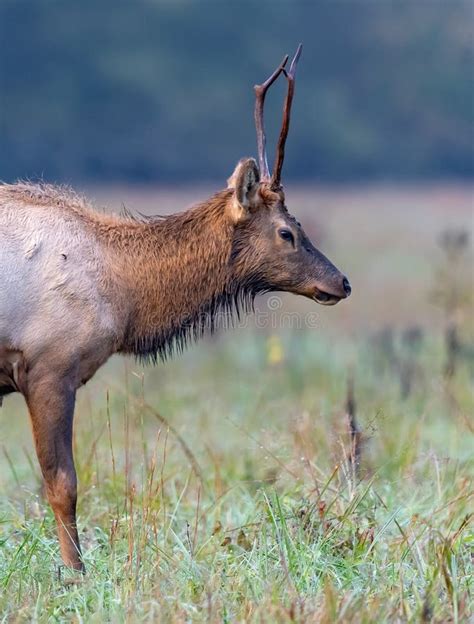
176, 278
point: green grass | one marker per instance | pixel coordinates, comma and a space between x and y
265, 521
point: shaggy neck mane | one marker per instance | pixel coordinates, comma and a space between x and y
178, 277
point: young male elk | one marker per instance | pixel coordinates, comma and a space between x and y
77, 286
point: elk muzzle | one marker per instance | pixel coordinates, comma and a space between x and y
332, 290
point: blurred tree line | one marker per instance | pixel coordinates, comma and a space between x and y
162, 90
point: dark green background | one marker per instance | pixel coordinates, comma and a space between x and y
162, 91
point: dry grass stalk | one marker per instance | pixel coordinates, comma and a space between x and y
355, 453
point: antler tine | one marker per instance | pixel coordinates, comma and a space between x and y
260, 92
280, 155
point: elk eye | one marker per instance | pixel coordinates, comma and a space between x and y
287, 235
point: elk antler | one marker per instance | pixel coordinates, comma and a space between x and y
280, 155
260, 92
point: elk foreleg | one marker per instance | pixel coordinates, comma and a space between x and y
51, 405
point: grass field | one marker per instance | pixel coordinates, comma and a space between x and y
223, 487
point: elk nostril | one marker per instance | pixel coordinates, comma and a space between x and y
346, 286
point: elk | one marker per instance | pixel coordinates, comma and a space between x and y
78, 285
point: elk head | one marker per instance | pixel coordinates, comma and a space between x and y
271, 250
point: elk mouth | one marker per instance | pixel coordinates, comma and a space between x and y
326, 299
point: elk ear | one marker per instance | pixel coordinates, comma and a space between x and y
244, 181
